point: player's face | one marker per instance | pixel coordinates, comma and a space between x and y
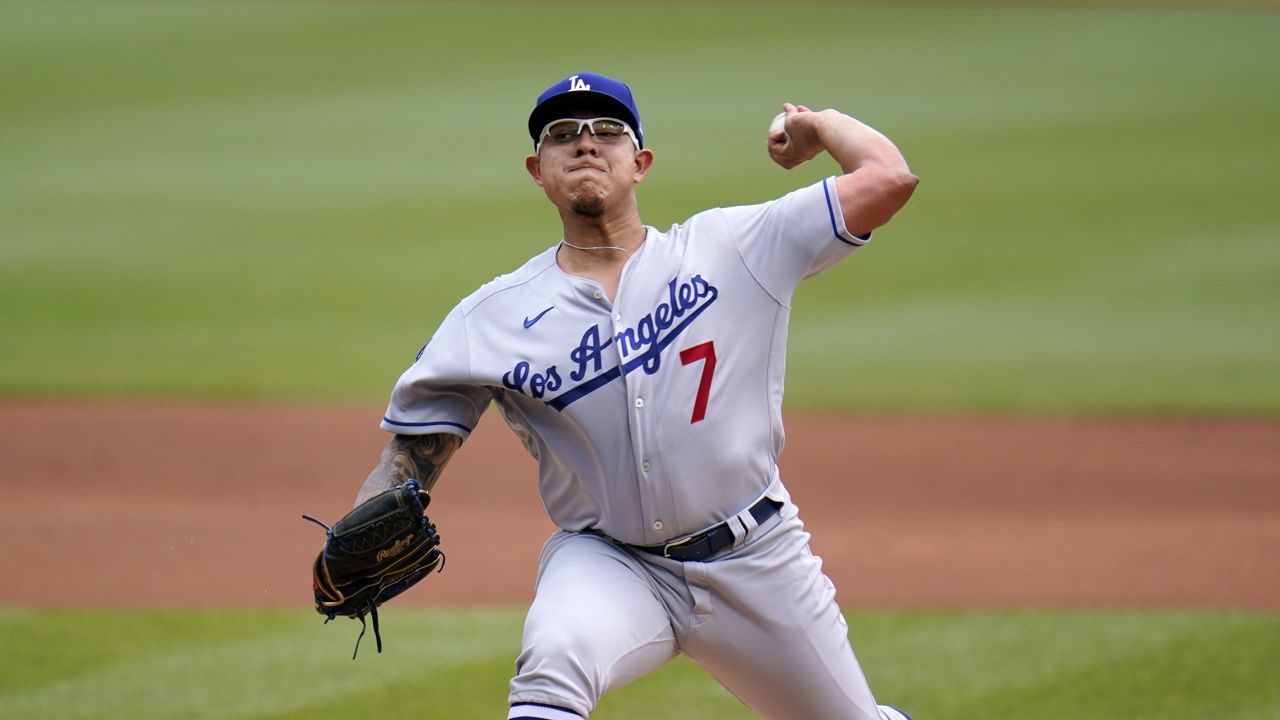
587, 168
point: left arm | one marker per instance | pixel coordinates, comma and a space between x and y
876, 182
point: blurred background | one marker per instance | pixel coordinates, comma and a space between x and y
280, 200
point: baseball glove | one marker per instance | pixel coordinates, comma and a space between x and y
375, 552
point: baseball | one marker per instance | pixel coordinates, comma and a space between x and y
779, 124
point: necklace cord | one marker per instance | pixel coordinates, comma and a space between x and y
601, 247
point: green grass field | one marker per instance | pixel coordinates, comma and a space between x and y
456, 663
279, 201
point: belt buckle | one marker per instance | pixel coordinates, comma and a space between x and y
666, 549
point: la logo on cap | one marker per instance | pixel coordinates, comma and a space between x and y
576, 83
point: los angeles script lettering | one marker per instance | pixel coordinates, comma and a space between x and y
640, 342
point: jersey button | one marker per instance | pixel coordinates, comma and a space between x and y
657, 525
599, 294
645, 466
639, 402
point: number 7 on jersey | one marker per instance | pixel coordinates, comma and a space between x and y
707, 353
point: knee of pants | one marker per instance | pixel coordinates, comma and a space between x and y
574, 646
573, 666
595, 624
556, 667
572, 655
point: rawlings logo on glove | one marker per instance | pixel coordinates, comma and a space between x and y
396, 549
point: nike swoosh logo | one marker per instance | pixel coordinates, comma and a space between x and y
529, 323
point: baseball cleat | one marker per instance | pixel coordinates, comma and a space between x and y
892, 713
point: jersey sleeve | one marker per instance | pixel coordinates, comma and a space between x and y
798, 235
437, 393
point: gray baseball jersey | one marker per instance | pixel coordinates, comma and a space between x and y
656, 415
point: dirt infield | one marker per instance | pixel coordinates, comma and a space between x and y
141, 505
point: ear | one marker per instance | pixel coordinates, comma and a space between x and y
643, 161
533, 165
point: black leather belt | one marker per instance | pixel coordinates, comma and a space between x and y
699, 547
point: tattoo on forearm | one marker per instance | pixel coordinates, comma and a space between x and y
421, 457
406, 457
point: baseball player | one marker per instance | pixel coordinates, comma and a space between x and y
643, 369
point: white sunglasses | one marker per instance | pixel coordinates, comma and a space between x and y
603, 129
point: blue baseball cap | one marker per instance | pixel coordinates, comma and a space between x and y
589, 91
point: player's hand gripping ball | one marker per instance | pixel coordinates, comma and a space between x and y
375, 552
